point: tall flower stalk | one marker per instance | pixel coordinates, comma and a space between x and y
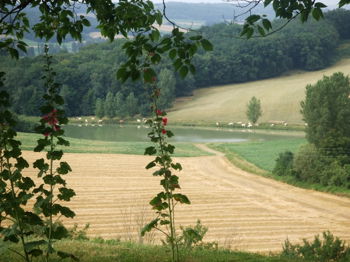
47, 203
164, 202
15, 188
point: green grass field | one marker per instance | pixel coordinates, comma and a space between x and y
260, 153
94, 146
115, 251
280, 99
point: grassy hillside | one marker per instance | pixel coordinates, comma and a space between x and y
280, 98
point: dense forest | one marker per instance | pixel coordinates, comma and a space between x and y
88, 77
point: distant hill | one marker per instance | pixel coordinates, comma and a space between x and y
208, 14
280, 99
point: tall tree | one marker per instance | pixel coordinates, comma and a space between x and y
119, 104
254, 110
99, 108
131, 106
326, 110
109, 107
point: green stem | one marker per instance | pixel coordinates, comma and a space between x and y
166, 187
49, 242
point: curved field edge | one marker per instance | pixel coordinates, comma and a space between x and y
113, 250
107, 147
259, 158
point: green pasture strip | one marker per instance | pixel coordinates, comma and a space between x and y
260, 153
94, 146
259, 158
116, 251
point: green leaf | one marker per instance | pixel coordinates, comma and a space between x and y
55, 155
159, 18
59, 232
176, 166
67, 212
150, 165
164, 222
32, 219
150, 151
155, 35
317, 13
182, 199
343, 2
252, 19
13, 52
31, 245
267, 2
85, 22
149, 226
36, 252
172, 54
261, 30
169, 134
207, 46
65, 194
183, 71
267, 24
320, 5
64, 168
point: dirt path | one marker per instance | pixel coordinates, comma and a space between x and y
242, 211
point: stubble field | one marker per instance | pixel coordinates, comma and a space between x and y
243, 211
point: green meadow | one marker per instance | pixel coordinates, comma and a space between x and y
106, 147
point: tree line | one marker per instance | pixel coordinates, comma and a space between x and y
90, 85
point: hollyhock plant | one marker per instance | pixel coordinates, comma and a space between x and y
164, 121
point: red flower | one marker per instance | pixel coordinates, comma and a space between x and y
51, 118
46, 134
159, 112
163, 131
154, 79
56, 127
165, 121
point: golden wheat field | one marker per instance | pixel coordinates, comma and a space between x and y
243, 211
280, 98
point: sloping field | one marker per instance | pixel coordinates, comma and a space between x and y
243, 211
280, 99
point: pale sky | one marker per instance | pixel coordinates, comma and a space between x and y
330, 3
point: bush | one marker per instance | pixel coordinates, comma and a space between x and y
192, 236
284, 164
336, 175
329, 249
309, 164
78, 234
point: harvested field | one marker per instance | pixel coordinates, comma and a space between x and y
243, 211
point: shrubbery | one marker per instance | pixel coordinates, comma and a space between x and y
284, 164
328, 249
326, 159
